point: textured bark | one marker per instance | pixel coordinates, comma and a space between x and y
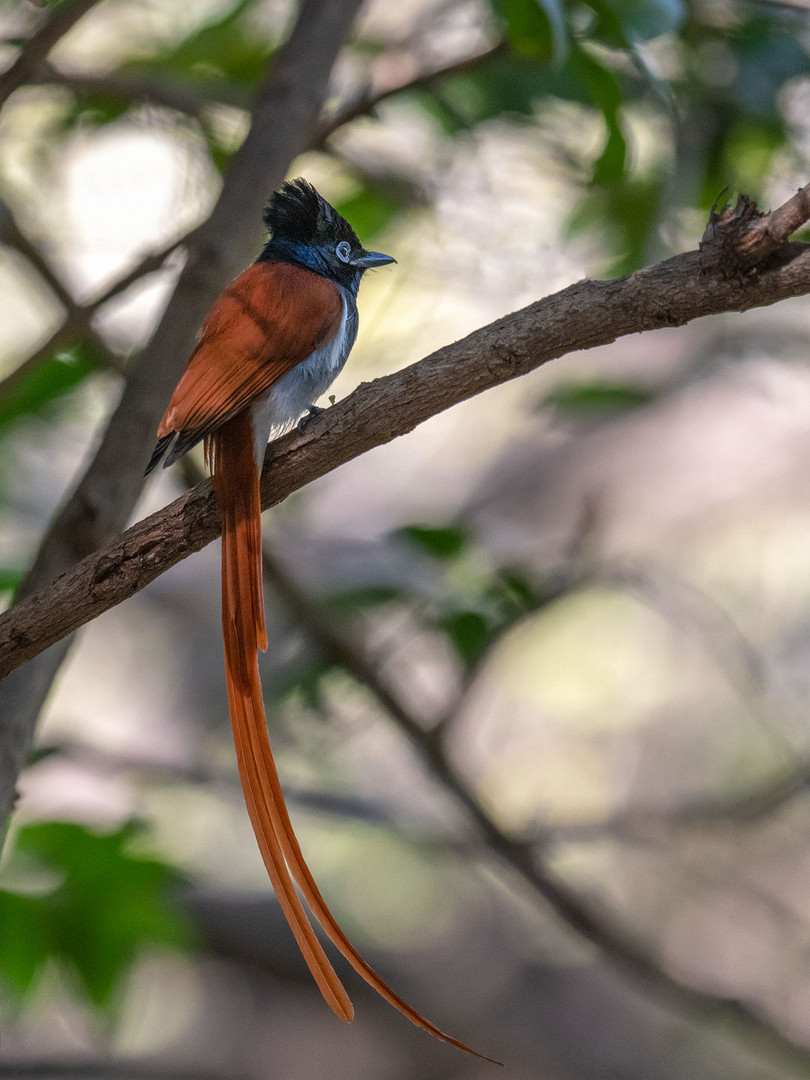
582, 316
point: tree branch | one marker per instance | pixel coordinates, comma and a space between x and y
108, 1069
40, 44
145, 89
284, 121
191, 102
582, 316
753, 236
617, 942
79, 317
367, 103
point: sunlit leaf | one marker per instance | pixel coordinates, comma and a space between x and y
107, 905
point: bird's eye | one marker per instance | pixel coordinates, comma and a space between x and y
343, 251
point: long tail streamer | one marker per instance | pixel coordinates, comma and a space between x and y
230, 454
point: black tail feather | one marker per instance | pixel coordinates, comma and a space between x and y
172, 446
160, 449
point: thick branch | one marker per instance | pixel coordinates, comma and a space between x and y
582, 316
284, 121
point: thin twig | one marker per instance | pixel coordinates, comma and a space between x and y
367, 103
13, 236
766, 234
80, 317
589, 919
34, 51
741, 810
147, 90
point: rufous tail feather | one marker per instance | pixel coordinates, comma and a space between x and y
230, 454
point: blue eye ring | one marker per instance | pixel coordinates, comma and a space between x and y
344, 251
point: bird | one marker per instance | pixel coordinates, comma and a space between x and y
271, 345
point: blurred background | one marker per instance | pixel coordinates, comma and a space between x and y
538, 673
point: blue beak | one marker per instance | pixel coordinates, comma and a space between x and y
370, 259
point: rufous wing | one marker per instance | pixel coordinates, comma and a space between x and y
270, 319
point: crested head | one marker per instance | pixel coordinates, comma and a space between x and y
299, 213
307, 230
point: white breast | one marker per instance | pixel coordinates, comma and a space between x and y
301, 387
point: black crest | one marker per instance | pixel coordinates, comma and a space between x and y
298, 213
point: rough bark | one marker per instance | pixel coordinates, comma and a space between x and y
582, 316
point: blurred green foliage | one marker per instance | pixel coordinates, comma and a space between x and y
709, 80
597, 397
471, 604
708, 77
83, 899
41, 392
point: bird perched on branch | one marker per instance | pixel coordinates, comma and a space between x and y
270, 347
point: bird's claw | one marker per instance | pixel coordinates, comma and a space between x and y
311, 413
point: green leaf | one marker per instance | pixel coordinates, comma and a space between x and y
369, 596
9, 579
504, 85
370, 209
623, 22
106, 907
441, 543
625, 213
226, 50
606, 94
302, 682
535, 28
521, 591
598, 397
25, 941
51, 381
469, 633
609, 166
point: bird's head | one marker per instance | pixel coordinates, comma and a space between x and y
306, 229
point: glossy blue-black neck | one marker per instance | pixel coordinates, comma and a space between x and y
312, 257
307, 230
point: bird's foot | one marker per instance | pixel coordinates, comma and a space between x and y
310, 414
